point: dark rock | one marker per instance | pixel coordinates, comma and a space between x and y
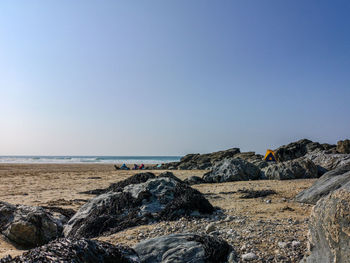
326, 184
134, 179
28, 226
137, 204
169, 175
287, 208
230, 170
252, 157
294, 169
183, 248
343, 146
97, 191
188, 157
194, 180
227, 193
77, 251
328, 161
248, 193
329, 147
67, 213
201, 161
329, 232
297, 149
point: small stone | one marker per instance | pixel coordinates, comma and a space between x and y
244, 247
282, 244
249, 256
231, 258
268, 201
296, 243
228, 218
230, 232
210, 228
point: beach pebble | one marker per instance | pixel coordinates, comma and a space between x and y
230, 232
249, 256
228, 218
282, 244
210, 228
296, 243
244, 247
231, 258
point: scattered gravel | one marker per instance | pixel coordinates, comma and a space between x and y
279, 240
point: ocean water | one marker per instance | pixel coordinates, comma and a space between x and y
90, 159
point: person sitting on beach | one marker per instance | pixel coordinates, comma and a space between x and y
124, 167
136, 167
142, 167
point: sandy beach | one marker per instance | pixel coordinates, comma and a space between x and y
265, 222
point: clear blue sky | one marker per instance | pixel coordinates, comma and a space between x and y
171, 77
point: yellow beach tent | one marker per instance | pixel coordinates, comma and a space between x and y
270, 156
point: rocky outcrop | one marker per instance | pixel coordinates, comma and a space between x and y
294, 169
329, 231
230, 170
136, 204
343, 146
328, 161
183, 248
169, 175
77, 251
115, 187
326, 184
298, 149
284, 153
201, 161
28, 226
252, 157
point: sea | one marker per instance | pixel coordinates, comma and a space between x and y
90, 159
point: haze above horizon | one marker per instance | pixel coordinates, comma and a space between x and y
124, 78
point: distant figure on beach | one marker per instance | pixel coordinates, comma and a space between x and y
116, 167
142, 166
124, 167
136, 167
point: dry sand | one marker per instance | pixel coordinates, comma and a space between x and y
60, 184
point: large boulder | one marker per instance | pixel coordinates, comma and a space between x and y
252, 157
329, 228
136, 204
230, 170
77, 251
328, 161
326, 184
294, 169
170, 175
134, 179
343, 146
28, 226
298, 149
201, 161
183, 248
